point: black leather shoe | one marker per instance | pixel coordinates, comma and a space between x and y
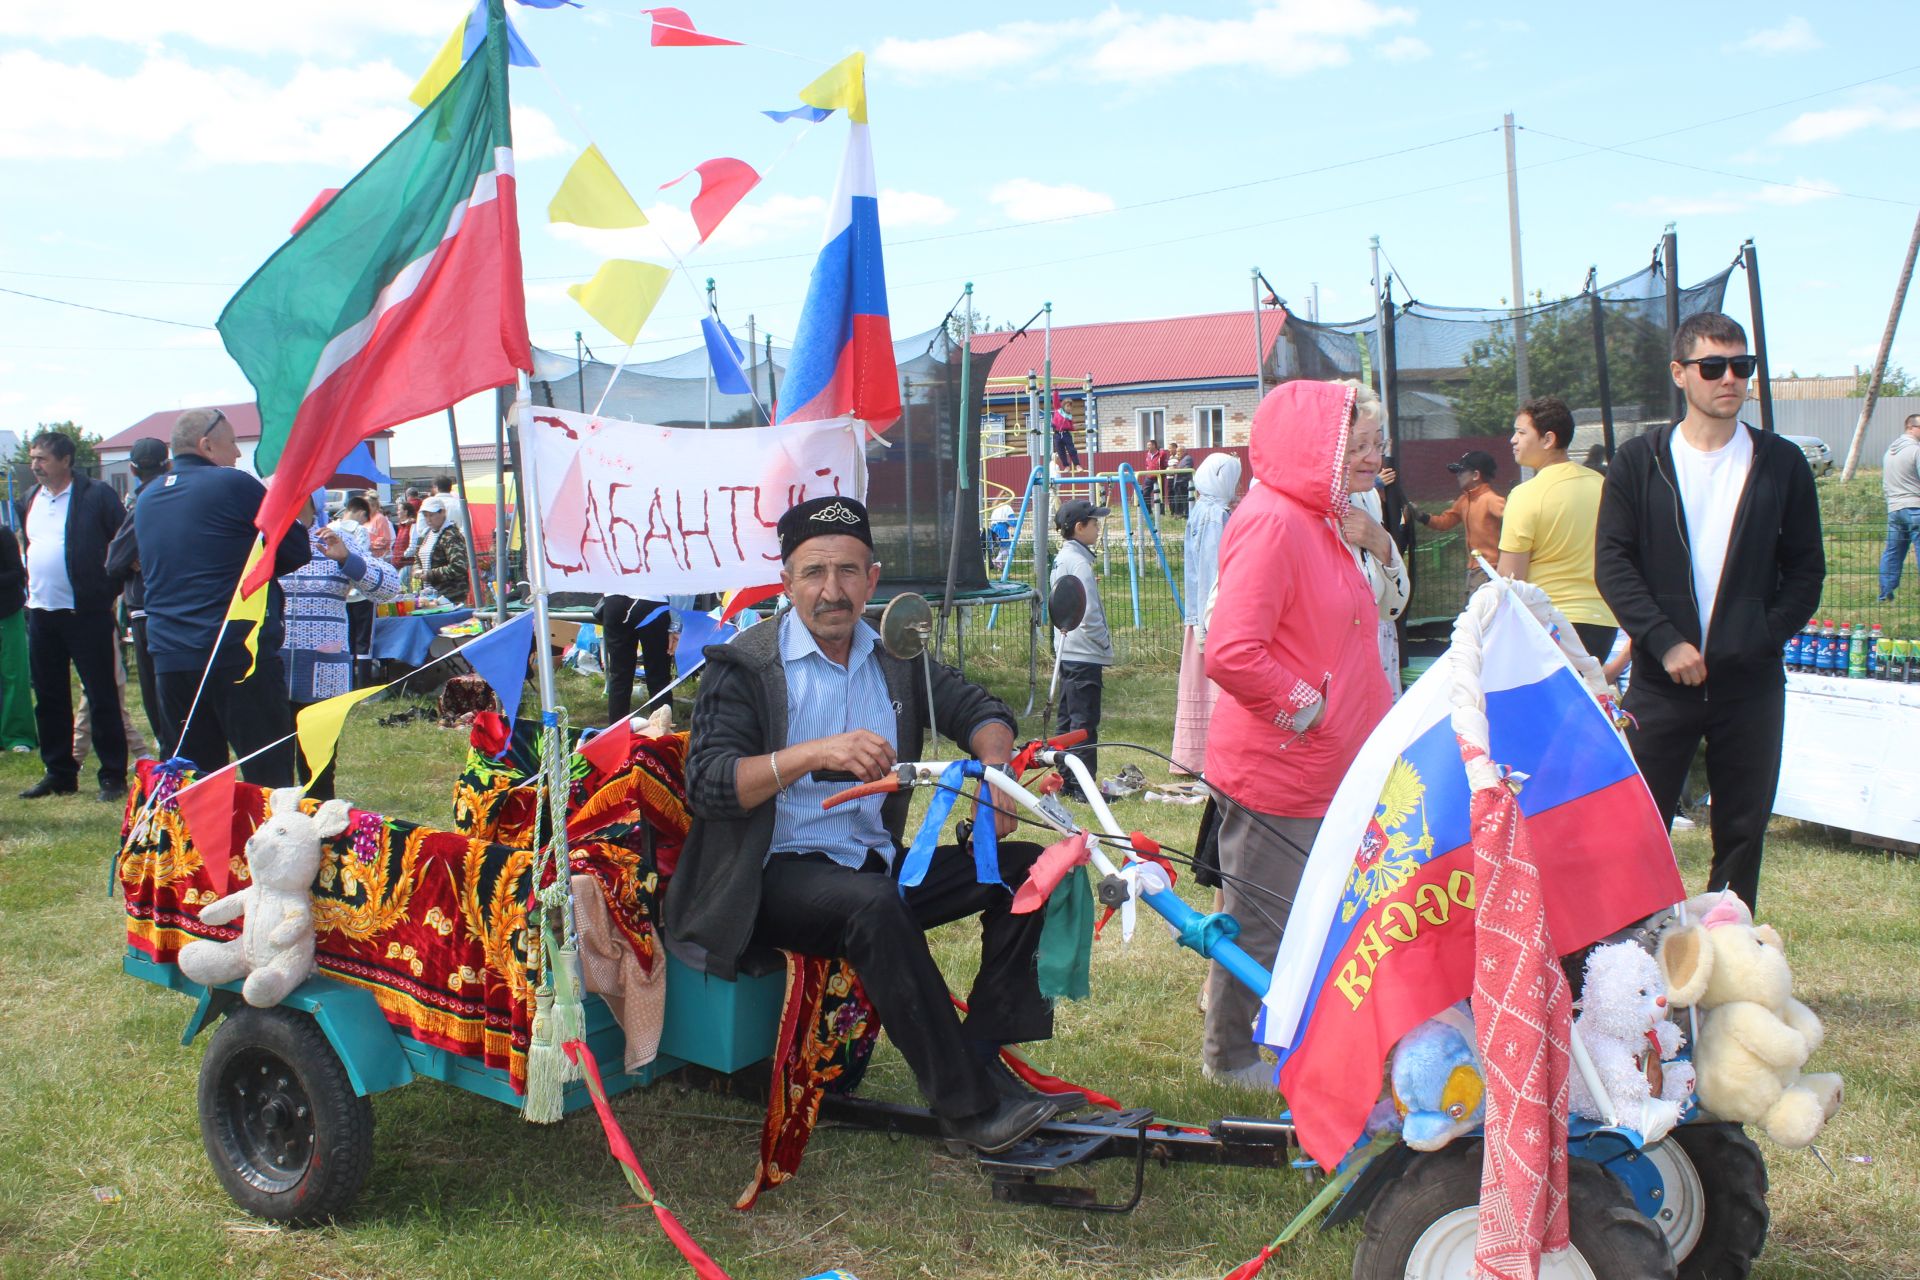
113, 792
49, 786
1010, 1086
1000, 1126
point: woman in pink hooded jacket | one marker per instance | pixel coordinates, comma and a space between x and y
1292, 647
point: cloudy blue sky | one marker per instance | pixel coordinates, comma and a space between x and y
1121, 161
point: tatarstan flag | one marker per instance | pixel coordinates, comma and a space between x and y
398, 298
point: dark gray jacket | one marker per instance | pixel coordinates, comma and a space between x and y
714, 895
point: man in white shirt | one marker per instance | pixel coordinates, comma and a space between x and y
1900, 481
71, 519
1709, 554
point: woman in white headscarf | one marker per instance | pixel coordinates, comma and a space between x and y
1392, 588
1214, 485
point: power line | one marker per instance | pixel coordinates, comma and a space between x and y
109, 311
1723, 173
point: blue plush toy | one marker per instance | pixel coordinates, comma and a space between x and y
1436, 1082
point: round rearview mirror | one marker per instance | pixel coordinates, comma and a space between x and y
1067, 605
906, 625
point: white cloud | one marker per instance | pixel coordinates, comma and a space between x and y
1795, 35
1025, 200
249, 26
1405, 49
1802, 191
1890, 111
914, 209
339, 117
1279, 37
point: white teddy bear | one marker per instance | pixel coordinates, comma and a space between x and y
274, 951
1754, 1036
1623, 1024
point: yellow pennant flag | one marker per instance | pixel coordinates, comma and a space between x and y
441, 71
622, 295
319, 725
592, 195
841, 86
253, 608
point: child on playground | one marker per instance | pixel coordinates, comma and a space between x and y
1086, 651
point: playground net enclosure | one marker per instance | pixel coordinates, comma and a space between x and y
924, 503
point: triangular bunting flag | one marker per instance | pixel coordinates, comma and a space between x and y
459, 47
724, 182
249, 610
609, 749
592, 195
697, 631
812, 115
621, 295
672, 27
841, 86
723, 353
319, 725
500, 658
207, 808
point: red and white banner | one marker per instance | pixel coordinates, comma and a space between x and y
639, 510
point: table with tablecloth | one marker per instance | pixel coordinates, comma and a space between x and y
410, 638
1848, 755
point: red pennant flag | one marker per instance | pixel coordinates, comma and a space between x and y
1049, 869
319, 203
746, 598
207, 808
609, 749
1251, 1267
672, 27
724, 182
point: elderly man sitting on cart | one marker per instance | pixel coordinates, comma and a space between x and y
765, 865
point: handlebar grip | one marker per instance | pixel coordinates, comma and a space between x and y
833, 775
878, 787
1060, 742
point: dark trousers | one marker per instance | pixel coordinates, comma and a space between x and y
621, 639
1080, 709
84, 640
815, 906
243, 716
150, 687
1596, 639
360, 637
1743, 768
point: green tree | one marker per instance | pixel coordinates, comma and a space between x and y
86, 455
1895, 382
1560, 362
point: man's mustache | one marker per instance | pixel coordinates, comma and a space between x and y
842, 607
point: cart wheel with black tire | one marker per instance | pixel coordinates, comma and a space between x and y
1713, 1207
288, 1137
1426, 1223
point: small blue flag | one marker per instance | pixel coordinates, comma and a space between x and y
724, 354
812, 115
517, 52
359, 464
500, 658
697, 631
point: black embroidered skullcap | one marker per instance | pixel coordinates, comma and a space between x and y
821, 517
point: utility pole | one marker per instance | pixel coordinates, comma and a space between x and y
1379, 326
1315, 309
1670, 252
753, 374
1259, 345
1043, 518
1522, 382
1880, 361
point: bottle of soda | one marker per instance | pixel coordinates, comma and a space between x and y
1875, 654
1857, 654
1790, 652
1909, 661
1810, 647
1823, 651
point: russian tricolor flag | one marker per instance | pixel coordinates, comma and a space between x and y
1381, 933
842, 362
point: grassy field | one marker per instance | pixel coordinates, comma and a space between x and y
97, 1093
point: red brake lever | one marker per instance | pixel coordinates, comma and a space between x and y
879, 786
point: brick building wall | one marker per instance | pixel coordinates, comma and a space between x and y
1120, 427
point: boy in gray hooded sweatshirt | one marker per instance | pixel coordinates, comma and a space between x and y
1087, 651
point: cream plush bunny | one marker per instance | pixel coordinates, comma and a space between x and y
274, 951
1754, 1036
1623, 1020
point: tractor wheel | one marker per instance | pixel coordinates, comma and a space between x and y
1714, 1194
288, 1137
1425, 1226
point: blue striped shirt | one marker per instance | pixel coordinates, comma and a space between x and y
823, 699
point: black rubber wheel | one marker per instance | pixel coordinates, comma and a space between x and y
1425, 1223
1729, 1222
288, 1137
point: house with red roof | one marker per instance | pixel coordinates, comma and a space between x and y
115, 450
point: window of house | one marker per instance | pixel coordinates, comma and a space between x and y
1153, 427
1210, 425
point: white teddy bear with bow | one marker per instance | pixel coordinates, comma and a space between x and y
274, 951
1623, 1024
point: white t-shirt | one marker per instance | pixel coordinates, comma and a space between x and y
1710, 488
48, 586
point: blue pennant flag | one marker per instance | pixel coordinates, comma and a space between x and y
812, 115
360, 465
500, 658
986, 839
697, 631
724, 354
517, 52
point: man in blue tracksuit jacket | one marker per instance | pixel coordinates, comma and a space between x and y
195, 530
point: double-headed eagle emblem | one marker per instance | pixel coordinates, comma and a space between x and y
1389, 854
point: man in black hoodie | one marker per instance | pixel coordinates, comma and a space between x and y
1709, 553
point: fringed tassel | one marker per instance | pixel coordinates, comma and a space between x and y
569, 1015
546, 1067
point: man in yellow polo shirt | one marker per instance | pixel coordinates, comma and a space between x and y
1547, 535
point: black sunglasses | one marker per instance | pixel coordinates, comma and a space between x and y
1714, 368
218, 418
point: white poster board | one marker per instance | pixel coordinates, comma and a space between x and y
1849, 755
